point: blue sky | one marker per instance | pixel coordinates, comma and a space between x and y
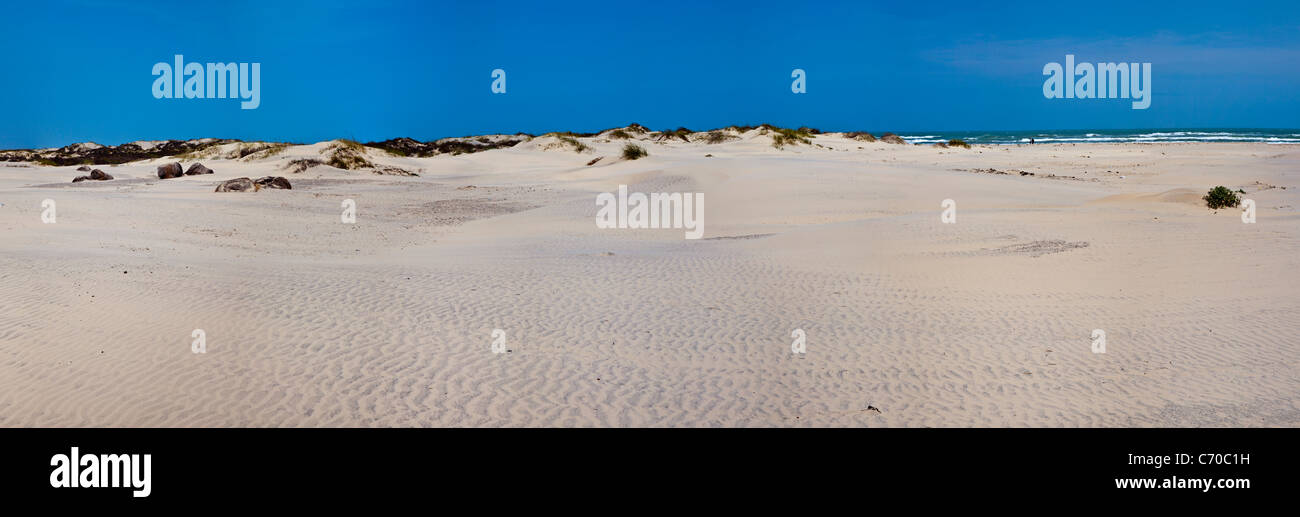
81, 70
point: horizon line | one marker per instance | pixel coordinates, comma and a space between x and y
592, 133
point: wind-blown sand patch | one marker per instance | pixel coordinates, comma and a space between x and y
1038, 248
460, 211
1185, 196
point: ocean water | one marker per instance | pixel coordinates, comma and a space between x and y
1271, 136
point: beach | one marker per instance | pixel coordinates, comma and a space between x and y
988, 321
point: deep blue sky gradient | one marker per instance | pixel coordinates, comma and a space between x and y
80, 70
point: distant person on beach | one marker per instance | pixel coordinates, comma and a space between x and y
1031, 139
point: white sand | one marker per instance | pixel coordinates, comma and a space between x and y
986, 322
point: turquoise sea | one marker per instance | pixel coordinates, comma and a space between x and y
1271, 136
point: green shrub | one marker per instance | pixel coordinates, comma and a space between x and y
957, 142
1221, 197
633, 152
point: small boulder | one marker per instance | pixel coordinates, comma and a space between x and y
83, 168
96, 175
236, 185
274, 182
197, 169
171, 170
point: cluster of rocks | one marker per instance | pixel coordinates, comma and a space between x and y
246, 184
173, 170
96, 175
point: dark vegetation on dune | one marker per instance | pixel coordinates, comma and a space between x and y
628, 131
411, 147
347, 154
624, 133
891, 138
302, 164
674, 134
717, 136
76, 154
956, 142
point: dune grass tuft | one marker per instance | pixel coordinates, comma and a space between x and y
302, 164
782, 137
634, 152
718, 136
577, 146
347, 155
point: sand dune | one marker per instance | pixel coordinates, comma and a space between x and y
388, 322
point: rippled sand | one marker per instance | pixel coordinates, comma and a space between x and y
388, 322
